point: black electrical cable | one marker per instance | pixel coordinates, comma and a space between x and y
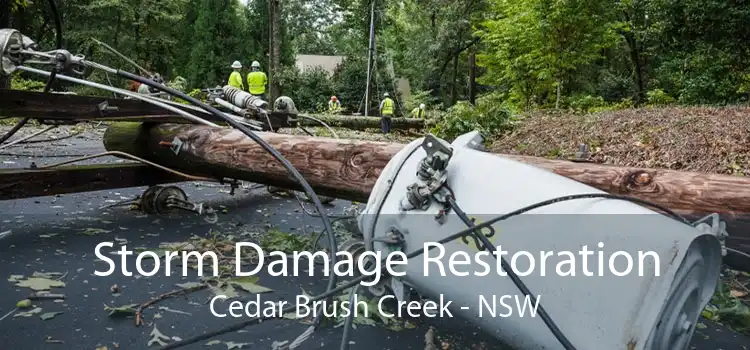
48, 86
349, 320
559, 335
58, 24
268, 148
14, 129
418, 252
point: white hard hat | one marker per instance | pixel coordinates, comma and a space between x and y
385, 94
421, 106
236, 64
255, 64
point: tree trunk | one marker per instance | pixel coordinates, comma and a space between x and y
275, 48
349, 168
362, 123
4, 23
454, 89
472, 77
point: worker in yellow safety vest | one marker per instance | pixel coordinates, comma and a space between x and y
235, 79
418, 112
257, 81
334, 105
386, 113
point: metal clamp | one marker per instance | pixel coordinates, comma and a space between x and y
176, 145
104, 107
431, 173
715, 227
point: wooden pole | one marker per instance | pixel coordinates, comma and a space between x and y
348, 169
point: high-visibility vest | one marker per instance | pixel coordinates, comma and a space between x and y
387, 107
256, 82
417, 112
235, 80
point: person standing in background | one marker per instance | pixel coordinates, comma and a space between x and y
418, 112
257, 81
386, 113
235, 79
334, 105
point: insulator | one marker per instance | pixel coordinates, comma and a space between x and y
243, 99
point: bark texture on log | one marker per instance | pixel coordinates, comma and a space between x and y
353, 166
340, 168
362, 123
348, 169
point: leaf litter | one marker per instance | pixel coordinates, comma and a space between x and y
158, 337
39, 281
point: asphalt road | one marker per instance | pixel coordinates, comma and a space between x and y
48, 234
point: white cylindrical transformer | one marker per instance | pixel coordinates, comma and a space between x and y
243, 99
572, 255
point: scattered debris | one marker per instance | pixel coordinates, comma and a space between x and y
120, 311
29, 313
90, 231
158, 338
43, 295
429, 340
232, 345
164, 308
249, 285
40, 283
114, 289
49, 315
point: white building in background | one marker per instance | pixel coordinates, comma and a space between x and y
327, 63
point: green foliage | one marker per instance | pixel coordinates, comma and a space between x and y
586, 103
310, 89
490, 116
19, 83
418, 97
658, 97
178, 83
728, 309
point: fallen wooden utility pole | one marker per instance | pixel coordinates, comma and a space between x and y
348, 169
351, 167
362, 123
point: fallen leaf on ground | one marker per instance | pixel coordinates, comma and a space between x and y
189, 285
50, 275
123, 310
738, 293
29, 313
23, 304
15, 278
213, 342
157, 338
51, 340
49, 315
248, 284
232, 345
40, 283
225, 289
90, 231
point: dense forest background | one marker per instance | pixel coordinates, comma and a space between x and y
475, 60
